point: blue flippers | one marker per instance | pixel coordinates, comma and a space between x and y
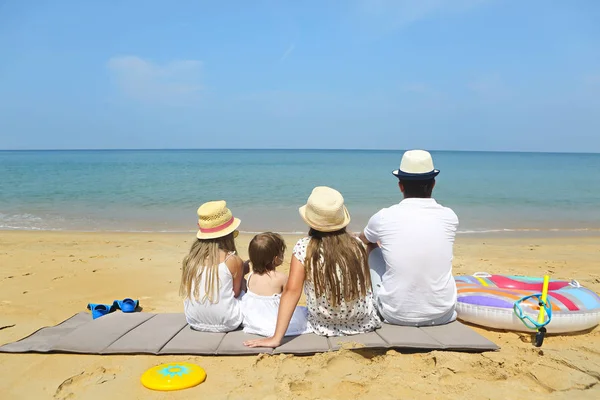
98, 310
126, 305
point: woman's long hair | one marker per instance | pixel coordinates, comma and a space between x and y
204, 258
336, 263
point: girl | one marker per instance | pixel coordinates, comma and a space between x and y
332, 267
212, 275
261, 303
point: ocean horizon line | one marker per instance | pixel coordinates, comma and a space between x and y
468, 232
294, 149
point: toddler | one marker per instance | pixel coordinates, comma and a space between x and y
260, 304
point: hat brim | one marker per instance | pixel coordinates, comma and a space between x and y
415, 177
224, 232
323, 228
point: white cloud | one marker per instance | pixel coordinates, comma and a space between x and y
287, 53
145, 81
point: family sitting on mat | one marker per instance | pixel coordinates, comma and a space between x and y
399, 269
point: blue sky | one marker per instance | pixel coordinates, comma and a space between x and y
379, 74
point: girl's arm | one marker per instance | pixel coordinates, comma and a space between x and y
287, 306
246, 267
236, 267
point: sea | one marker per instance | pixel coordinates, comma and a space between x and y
160, 190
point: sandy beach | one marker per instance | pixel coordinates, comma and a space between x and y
45, 277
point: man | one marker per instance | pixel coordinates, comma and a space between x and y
410, 250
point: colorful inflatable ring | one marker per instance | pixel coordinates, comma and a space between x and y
173, 376
488, 300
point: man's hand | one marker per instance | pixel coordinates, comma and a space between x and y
267, 342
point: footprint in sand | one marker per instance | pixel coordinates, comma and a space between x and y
72, 387
300, 387
350, 389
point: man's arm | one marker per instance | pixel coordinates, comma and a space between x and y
370, 246
370, 235
364, 239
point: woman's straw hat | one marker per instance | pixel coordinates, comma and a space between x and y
416, 165
215, 220
325, 210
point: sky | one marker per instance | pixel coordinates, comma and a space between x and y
350, 74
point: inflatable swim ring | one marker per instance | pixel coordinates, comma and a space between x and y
173, 376
488, 300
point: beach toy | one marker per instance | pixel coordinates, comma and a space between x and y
98, 310
489, 300
173, 376
126, 305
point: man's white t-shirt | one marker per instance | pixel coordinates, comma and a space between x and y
416, 237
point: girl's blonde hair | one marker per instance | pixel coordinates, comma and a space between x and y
204, 258
336, 263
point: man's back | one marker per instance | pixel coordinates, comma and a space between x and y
416, 239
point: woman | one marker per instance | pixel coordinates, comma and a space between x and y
331, 266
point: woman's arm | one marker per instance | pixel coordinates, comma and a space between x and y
283, 278
236, 267
289, 300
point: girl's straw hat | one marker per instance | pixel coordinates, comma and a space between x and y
325, 210
215, 220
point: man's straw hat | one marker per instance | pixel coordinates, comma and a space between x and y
215, 220
325, 210
416, 165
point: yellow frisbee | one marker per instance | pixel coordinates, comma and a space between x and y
173, 376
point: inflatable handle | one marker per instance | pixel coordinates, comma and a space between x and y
482, 275
574, 283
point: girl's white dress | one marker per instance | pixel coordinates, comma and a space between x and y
223, 316
260, 315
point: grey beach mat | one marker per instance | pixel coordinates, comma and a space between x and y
145, 333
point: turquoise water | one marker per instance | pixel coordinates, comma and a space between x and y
160, 190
